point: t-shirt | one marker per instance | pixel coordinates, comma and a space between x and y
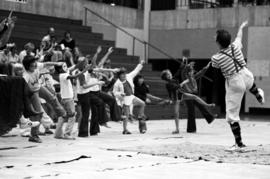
174, 89
80, 82
226, 63
70, 44
191, 86
141, 91
127, 88
89, 80
66, 89
32, 78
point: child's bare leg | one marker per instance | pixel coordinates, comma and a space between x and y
125, 120
187, 96
176, 115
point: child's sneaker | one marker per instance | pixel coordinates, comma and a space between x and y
236, 147
29, 124
126, 132
68, 137
35, 139
176, 132
260, 96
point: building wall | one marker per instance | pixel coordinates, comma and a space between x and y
259, 63
74, 9
200, 42
125, 41
195, 29
210, 18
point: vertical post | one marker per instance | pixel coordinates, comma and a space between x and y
182, 4
85, 16
235, 3
146, 26
200, 87
145, 52
133, 46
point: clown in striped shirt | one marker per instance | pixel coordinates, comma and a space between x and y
239, 79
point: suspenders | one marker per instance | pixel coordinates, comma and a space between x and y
235, 61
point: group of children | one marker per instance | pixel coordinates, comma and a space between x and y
88, 85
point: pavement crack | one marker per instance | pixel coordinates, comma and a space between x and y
68, 161
8, 148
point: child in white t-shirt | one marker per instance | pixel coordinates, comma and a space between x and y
67, 96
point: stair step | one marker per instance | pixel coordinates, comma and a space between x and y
82, 36
36, 17
46, 25
130, 67
124, 59
91, 37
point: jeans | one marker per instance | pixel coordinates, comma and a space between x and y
191, 123
137, 102
115, 113
37, 107
69, 106
52, 100
85, 108
98, 113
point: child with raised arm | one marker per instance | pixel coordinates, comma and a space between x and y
230, 60
67, 96
177, 94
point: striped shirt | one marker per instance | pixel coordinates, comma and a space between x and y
226, 63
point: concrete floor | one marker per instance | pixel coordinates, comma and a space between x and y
113, 155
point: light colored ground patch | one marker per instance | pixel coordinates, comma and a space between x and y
250, 155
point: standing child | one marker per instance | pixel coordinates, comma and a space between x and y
177, 94
190, 86
67, 96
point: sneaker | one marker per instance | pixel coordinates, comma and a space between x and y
236, 147
191, 131
25, 134
142, 126
260, 97
29, 124
82, 135
68, 137
126, 132
105, 125
58, 137
41, 133
48, 131
176, 132
35, 139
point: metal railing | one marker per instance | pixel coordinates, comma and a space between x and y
134, 38
200, 4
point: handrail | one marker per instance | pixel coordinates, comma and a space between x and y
134, 37
129, 34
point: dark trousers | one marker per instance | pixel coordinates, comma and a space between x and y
98, 113
191, 123
85, 106
115, 113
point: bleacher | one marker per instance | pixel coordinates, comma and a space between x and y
31, 28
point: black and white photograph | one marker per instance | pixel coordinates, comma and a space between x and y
135, 89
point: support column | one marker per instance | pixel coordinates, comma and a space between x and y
235, 3
182, 4
146, 26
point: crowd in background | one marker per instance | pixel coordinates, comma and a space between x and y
64, 85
